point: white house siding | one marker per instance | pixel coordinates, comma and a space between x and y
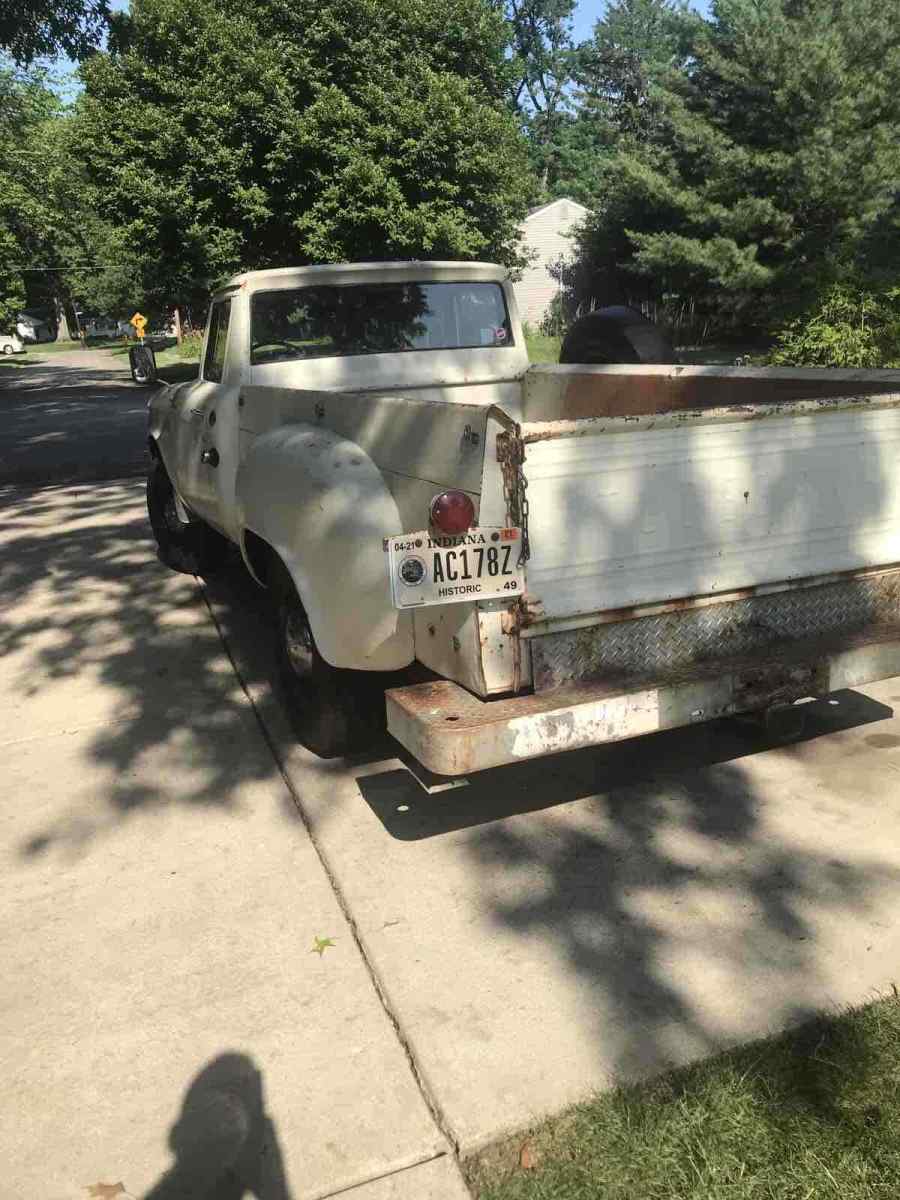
546, 230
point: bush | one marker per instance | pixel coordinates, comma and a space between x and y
190, 346
849, 327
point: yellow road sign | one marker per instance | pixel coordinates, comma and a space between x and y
139, 322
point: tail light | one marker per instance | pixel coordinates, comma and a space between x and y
452, 512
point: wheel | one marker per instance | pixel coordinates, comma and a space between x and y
333, 712
7, 349
189, 546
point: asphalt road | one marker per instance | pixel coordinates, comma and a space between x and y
71, 416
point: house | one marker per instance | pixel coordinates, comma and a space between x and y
546, 231
34, 327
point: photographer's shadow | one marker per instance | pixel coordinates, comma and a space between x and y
224, 1141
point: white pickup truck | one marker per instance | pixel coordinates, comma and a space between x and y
506, 561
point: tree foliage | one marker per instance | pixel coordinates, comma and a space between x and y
33, 177
543, 60
228, 135
769, 162
31, 29
849, 326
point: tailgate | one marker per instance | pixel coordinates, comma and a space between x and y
632, 509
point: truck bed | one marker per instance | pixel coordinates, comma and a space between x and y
631, 508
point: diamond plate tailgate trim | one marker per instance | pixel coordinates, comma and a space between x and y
655, 646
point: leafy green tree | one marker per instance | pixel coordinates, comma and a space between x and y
771, 159
609, 90
543, 60
45, 226
227, 135
635, 46
30, 29
849, 326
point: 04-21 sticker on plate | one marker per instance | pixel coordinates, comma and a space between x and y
428, 568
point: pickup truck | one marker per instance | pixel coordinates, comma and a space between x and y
505, 561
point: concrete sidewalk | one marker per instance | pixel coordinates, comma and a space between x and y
165, 1014
569, 923
499, 951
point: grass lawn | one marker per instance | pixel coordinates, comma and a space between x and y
813, 1114
542, 348
173, 367
41, 349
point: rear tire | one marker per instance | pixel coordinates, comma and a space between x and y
191, 546
333, 712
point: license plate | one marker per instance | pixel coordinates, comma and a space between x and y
428, 568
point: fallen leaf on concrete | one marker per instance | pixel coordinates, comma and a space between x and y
321, 945
527, 1157
107, 1191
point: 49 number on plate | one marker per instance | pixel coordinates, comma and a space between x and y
480, 564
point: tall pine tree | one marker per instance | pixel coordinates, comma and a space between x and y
770, 164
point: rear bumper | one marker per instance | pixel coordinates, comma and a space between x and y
452, 732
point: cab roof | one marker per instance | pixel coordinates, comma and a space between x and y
414, 271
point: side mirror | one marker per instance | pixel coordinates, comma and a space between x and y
143, 364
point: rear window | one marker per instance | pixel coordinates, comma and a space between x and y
376, 318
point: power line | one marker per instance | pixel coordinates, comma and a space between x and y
62, 267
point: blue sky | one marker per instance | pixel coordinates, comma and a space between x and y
589, 12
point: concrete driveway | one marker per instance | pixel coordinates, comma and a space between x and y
70, 416
170, 858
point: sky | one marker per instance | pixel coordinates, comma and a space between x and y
588, 13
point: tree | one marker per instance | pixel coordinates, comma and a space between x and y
608, 92
771, 159
30, 29
635, 46
543, 58
48, 235
229, 135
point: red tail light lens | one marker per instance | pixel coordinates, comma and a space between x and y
452, 512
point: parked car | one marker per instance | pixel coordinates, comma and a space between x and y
567, 555
11, 343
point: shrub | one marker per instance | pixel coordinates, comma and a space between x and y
190, 345
849, 327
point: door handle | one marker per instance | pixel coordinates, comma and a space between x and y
210, 457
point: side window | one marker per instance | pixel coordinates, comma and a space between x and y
214, 363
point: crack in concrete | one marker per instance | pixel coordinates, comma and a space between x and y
428, 1097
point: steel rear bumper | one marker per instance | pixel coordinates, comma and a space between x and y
452, 732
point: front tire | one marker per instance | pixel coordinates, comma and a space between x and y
191, 546
333, 712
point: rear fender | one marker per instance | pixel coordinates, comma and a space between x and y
323, 506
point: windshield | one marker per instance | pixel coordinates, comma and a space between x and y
376, 318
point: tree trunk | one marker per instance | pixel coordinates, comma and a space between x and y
178, 330
62, 321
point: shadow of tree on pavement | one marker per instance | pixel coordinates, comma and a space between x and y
97, 636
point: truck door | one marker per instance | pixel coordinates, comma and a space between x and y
198, 453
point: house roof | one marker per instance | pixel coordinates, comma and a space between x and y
559, 200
